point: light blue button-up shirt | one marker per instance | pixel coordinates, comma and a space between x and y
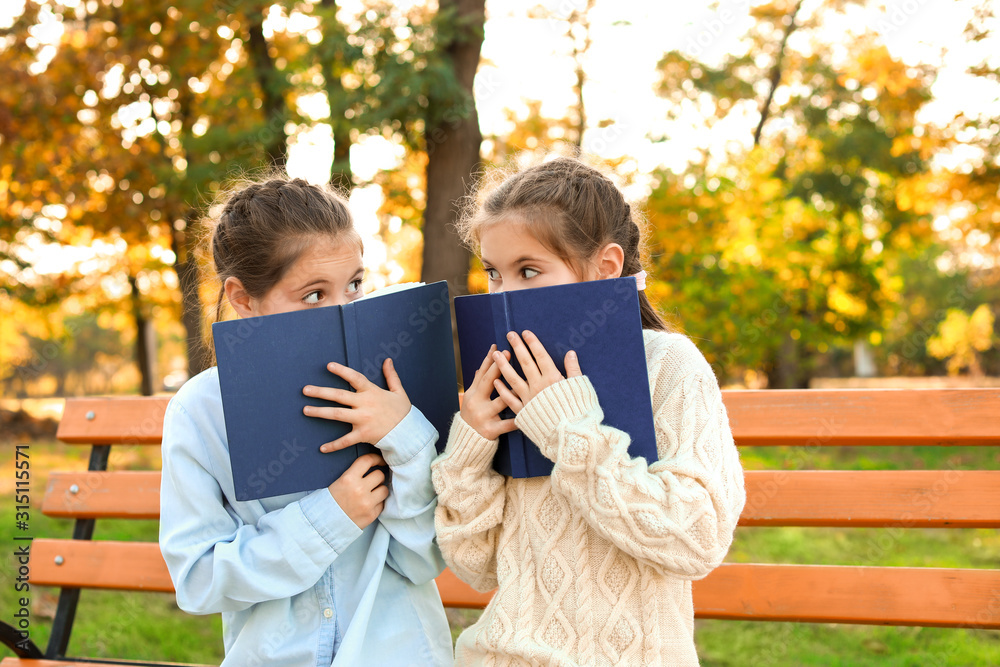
297, 582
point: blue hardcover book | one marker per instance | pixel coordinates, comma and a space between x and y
599, 320
264, 362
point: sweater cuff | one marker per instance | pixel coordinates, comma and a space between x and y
566, 400
467, 448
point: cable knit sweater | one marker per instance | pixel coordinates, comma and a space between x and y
593, 565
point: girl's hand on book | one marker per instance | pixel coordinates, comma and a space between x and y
479, 410
360, 491
538, 368
370, 410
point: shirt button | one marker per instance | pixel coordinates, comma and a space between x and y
328, 613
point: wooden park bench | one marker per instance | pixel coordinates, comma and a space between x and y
918, 596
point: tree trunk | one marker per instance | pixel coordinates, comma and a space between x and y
775, 78
143, 353
582, 19
453, 143
786, 370
272, 85
341, 176
186, 266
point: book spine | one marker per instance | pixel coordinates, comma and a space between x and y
503, 321
352, 343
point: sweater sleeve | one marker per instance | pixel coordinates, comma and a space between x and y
216, 561
677, 514
470, 505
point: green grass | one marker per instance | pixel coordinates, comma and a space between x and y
109, 624
149, 626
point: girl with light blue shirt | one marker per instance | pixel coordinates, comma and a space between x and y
339, 576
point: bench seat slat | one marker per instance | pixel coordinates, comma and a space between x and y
873, 595
903, 498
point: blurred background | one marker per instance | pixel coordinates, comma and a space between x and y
820, 181
820, 177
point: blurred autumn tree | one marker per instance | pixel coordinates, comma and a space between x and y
776, 258
120, 122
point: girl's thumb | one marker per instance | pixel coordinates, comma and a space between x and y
572, 365
392, 380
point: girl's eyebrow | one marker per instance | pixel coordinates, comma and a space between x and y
313, 283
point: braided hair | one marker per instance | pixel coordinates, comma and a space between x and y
572, 209
265, 226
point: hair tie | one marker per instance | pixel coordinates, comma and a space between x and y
640, 280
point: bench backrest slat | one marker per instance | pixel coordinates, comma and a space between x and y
127, 494
818, 417
121, 420
132, 566
811, 417
891, 595
902, 498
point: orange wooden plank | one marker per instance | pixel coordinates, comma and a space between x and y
821, 417
805, 593
99, 564
902, 498
811, 417
837, 594
129, 420
456, 593
103, 495
140, 566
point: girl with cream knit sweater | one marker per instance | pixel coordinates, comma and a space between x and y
592, 565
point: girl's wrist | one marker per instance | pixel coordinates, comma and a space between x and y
469, 448
564, 401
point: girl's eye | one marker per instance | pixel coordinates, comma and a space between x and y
313, 297
354, 286
492, 274
529, 273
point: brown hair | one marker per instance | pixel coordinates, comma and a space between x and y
572, 209
264, 227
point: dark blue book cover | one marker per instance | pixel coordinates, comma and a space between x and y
599, 320
264, 362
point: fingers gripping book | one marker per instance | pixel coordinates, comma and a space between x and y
600, 321
264, 362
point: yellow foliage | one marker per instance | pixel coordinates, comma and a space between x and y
842, 302
961, 337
